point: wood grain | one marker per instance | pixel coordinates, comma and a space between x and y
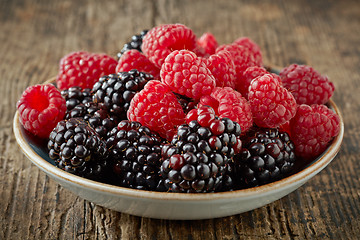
36, 34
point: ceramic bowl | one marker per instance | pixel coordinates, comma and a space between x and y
184, 206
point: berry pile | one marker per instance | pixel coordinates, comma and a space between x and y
178, 113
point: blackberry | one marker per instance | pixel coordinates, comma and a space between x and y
186, 103
135, 43
115, 91
98, 118
77, 148
267, 155
137, 155
75, 96
79, 104
198, 160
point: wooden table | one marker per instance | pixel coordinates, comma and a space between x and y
34, 35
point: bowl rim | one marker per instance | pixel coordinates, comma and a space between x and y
310, 170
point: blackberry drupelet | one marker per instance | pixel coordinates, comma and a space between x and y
137, 155
199, 159
186, 103
77, 148
75, 96
115, 91
135, 43
79, 104
267, 155
99, 119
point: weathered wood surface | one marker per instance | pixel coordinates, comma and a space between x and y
34, 35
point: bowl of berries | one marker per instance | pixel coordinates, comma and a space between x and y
179, 127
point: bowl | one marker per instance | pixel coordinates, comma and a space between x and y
176, 206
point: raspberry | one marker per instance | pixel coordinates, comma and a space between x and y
40, 108
229, 103
157, 108
249, 74
271, 104
208, 42
285, 127
186, 74
253, 48
222, 67
133, 59
306, 84
200, 52
312, 129
241, 57
162, 40
83, 69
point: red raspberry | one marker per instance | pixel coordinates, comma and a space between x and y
157, 108
187, 75
208, 42
133, 59
204, 115
83, 69
222, 68
200, 52
40, 108
229, 103
271, 104
312, 129
249, 74
285, 128
306, 84
241, 57
253, 48
162, 40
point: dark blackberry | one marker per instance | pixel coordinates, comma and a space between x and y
114, 92
135, 43
79, 104
77, 148
186, 103
137, 155
267, 155
99, 119
198, 160
75, 96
